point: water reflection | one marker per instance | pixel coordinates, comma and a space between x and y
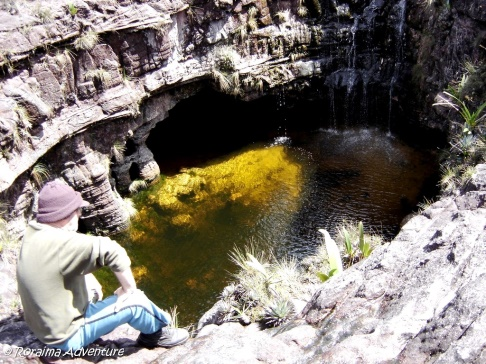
276, 194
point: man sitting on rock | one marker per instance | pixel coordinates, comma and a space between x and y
54, 279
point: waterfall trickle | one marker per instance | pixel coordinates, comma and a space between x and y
281, 105
350, 95
363, 51
399, 34
352, 52
364, 102
332, 108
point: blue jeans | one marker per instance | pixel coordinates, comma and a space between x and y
101, 319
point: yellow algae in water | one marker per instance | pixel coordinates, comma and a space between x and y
253, 176
249, 178
181, 220
139, 272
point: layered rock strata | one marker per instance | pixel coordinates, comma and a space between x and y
101, 68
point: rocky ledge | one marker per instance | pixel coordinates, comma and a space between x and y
418, 299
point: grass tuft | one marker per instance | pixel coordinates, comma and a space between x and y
137, 186
40, 173
87, 41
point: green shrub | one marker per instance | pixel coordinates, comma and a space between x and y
277, 313
73, 10
355, 246
467, 142
265, 287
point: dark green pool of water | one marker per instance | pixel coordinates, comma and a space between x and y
310, 180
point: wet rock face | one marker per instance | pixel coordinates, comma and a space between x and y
443, 38
363, 60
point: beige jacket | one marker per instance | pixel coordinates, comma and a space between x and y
50, 274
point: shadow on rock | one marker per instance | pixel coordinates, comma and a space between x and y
19, 345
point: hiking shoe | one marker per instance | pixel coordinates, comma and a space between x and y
166, 337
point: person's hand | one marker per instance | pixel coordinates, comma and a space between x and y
127, 290
95, 291
119, 291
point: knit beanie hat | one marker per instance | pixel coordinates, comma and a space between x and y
57, 201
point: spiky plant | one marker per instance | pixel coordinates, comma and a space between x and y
137, 185
357, 245
283, 16
471, 119
241, 32
262, 281
118, 149
129, 207
278, 313
289, 276
266, 285
68, 53
255, 274
252, 22
467, 175
174, 323
63, 57
73, 10
5, 238
252, 12
226, 58
6, 59
125, 75
449, 180
302, 11
222, 79
235, 83
250, 258
43, 13
100, 74
87, 40
227, 311
224, 71
25, 120
422, 206
258, 83
40, 173
467, 143
350, 250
